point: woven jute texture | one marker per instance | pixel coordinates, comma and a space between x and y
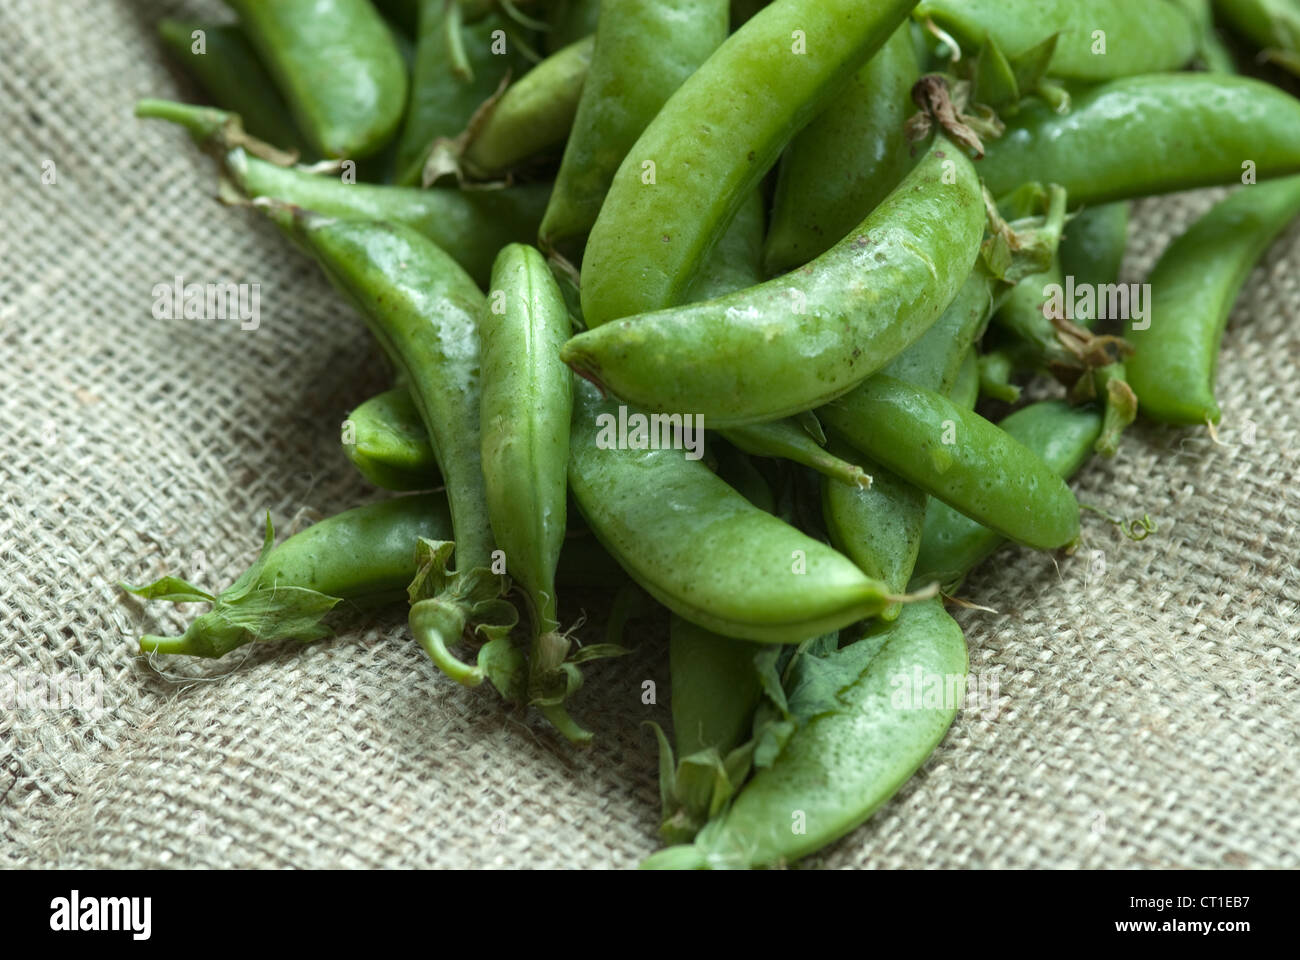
1139, 705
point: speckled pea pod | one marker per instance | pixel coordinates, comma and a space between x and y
442, 99
229, 71
840, 767
846, 161
364, 557
684, 179
959, 457
674, 526
644, 50
1149, 134
338, 67
533, 115
799, 341
1193, 288
1137, 36
387, 442
526, 410
953, 544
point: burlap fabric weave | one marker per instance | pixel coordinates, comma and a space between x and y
1145, 709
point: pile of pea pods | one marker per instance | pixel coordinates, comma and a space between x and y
740, 282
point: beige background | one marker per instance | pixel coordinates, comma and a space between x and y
1147, 708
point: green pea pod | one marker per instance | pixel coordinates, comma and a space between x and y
338, 67
1092, 250
877, 527
526, 411
1096, 39
424, 310
535, 114
1150, 134
387, 442
841, 766
1212, 53
845, 315
1193, 288
953, 544
644, 50
443, 99
226, 66
570, 21
475, 224
737, 261
678, 543
1272, 25
364, 556
965, 390
684, 179
789, 440
472, 225
934, 360
846, 161
959, 457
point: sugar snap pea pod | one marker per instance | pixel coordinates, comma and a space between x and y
846, 161
472, 224
226, 66
845, 315
534, 114
644, 50
1193, 287
959, 457
364, 556
443, 100
737, 261
877, 527
1092, 250
570, 21
934, 360
952, 544
526, 409
1150, 134
679, 542
965, 390
789, 440
842, 765
716, 686
424, 310
387, 442
338, 67
684, 179
1273, 25
1137, 36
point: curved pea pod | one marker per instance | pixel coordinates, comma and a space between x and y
387, 442
471, 225
674, 527
684, 179
533, 115
843, 316
953, 544
877, 527
1136, 36
1193, 288
338, 67
526, 410
933, 361
844, 764
364, 556
644, 50
1150, 134
959, 457
846, 161
226, 66
443, 99
790, 440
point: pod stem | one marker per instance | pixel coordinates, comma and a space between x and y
436, 621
